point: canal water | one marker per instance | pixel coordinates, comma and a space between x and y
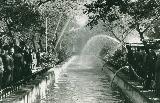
74, 83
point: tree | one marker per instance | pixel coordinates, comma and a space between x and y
154, 30
19, 16
57, 13
142, 13
25, 19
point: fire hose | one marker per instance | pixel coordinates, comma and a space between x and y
140, 78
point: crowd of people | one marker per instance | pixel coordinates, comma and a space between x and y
146, 63
17, 63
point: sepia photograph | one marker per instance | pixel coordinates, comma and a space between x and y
79, 51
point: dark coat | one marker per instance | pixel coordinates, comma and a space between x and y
18, 65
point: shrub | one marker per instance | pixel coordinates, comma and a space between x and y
118, 60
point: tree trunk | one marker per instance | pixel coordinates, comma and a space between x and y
141, 35
34, 44
54, 41
40, 44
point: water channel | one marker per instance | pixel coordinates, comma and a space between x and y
74, 83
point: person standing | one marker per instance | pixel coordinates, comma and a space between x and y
18, 64
149, 65
130, 59
8, 71
1, 69
30, 57
139, 62
27, 62
157, 74
34, 59
38, 57
11, 60
152, 64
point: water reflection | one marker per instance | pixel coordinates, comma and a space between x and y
74, 85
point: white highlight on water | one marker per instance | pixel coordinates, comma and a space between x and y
57, 71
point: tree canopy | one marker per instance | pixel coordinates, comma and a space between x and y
19, 16
142, 13
26, 19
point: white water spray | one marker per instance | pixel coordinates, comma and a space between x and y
90, 53
62, 33
96, 43
60, 18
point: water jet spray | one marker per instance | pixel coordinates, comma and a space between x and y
62, 33
140, 78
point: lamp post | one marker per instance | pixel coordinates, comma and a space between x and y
46, 33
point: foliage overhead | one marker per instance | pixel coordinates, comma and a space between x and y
19, 16
142, 12
26, 19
